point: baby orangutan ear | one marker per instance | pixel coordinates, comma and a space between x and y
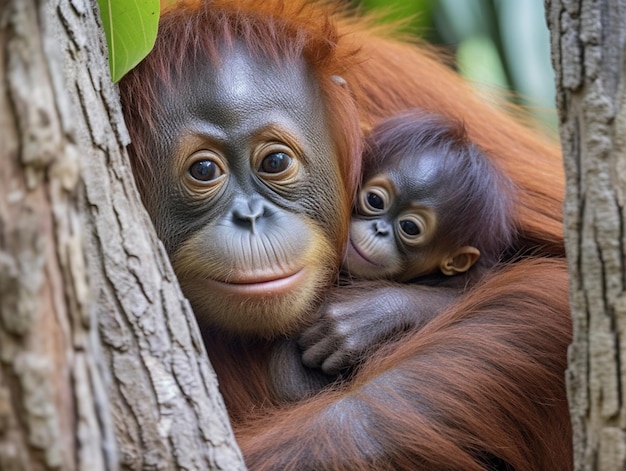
459, 261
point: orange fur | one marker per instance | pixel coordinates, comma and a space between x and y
479, 386
394, 76
477, 379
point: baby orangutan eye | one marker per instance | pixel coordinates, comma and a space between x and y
410, 227
375, 201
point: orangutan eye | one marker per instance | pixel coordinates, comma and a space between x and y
416, 227
375, 201
275, 162
410, 227
205, 170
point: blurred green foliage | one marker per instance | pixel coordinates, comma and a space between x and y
502, 44
419, 13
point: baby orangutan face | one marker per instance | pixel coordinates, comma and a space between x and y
394, 234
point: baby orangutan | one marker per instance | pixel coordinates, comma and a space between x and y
434, 211
430, 205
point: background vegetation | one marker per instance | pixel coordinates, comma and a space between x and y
499, 44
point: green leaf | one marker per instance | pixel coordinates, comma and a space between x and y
130, 27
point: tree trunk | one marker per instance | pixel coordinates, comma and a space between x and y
101, 363
588, 40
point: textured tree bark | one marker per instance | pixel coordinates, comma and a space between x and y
101, 363
588, 46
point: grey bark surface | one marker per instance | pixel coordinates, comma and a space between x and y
101, 363
588, 45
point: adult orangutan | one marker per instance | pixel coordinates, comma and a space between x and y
246, 123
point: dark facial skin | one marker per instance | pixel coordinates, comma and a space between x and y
363, 314
393, 236
395, 230
246, 220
